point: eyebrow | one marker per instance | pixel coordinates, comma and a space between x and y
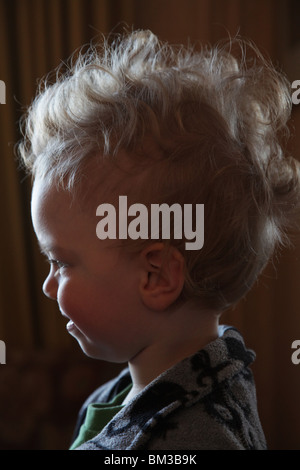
46, 249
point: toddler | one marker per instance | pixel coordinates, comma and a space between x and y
158, 126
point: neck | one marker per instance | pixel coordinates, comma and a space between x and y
181, 334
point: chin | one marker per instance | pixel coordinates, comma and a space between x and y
90, 350
94, 352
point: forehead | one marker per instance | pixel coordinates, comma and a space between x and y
49, 201
56, 215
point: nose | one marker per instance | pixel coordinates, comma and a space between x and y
50, 286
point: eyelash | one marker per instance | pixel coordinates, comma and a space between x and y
58, 264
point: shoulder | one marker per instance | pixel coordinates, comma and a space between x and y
225, 418
219, 408
207, 401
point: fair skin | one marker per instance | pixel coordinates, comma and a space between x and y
118, 305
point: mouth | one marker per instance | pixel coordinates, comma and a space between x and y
70, 325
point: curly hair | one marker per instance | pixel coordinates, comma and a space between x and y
208, 125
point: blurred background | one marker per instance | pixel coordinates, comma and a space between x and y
46, 376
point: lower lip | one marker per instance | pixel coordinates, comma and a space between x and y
70, 325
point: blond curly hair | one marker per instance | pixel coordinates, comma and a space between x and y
208, 125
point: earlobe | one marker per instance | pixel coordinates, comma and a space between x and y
162, 277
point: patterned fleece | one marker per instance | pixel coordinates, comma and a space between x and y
205, 402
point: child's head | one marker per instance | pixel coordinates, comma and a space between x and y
173, 125
97, 287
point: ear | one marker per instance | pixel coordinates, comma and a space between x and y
162, 277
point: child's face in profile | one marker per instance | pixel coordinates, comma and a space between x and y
94, 283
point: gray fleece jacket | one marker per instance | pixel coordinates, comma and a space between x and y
205, 402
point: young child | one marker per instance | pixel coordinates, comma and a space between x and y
161, 125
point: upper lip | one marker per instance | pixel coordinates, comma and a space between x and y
64, 315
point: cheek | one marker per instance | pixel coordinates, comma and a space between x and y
72, 298
99, 305
85, 304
